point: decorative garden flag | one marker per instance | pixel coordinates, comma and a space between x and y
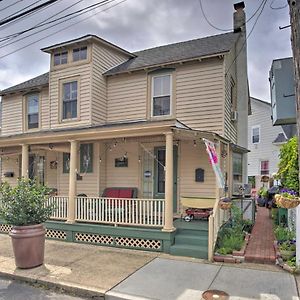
213, 157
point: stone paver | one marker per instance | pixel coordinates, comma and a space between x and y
260, 248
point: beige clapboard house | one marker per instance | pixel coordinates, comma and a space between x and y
104, 119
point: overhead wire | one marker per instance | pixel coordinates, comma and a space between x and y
64, 28
247, 37
71, 15
6, 7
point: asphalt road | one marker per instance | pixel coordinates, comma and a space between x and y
14, 290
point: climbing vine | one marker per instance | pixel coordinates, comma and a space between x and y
288, 165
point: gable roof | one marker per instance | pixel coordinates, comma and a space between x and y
281, 138
187, 50
260, 101
192, 49
39, 81
85, 38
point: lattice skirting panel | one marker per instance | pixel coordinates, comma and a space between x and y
56, 234
5, 228
136, 243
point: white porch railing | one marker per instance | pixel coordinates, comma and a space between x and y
215, 221
60, 207
135, 212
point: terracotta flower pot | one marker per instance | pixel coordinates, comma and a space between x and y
28, 245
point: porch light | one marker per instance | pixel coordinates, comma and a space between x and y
195, 143
100, 159
139, 159
125, 155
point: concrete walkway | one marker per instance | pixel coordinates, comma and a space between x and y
260, 248
113, 274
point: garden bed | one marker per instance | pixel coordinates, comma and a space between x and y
237, 256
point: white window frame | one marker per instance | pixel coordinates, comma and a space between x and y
260, 169
171, 93
60, 58
79, 49
259, 134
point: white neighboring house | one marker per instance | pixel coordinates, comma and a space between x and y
264, 141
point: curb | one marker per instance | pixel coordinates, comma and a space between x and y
68, 287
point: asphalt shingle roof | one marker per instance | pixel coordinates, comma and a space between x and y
31, 83
177, 52
196, 48
280, 139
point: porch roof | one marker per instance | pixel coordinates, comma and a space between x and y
96, 132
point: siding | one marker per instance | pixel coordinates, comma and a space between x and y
265, 150
230, 127
89, 184
83, 72
103, 59
190, 159
11, 164
199, 95
12, 112
127, 97
127, 176
45, 108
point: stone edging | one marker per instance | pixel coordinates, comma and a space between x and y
236, 256
281, 263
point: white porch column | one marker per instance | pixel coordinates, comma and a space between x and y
72, 181
169, 183
25, 160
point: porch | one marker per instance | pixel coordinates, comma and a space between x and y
162, 163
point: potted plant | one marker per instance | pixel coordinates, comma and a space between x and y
287, 198
26, 207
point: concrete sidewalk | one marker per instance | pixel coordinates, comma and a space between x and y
128, 274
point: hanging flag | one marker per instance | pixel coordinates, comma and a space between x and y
213, 158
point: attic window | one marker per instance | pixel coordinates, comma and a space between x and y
60, 58
79, 53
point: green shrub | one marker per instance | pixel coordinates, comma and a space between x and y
292, 262
224, 251
234, 242
283, 234
25, 204
287, 246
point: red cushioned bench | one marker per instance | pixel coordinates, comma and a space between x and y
120, 192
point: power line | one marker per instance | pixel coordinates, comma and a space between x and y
2, 9
5, 21
14, 35
62, 29
99, 4
207, 20
279, 7
242, 47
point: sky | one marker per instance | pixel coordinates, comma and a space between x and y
140, 24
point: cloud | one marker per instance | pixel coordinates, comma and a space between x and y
140, 24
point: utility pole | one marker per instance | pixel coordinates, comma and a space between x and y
295, 39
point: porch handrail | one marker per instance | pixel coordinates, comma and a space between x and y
121, 211
215, 221
60, 203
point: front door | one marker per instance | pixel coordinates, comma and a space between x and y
36, 168
159, 174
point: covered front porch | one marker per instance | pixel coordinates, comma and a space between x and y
161, 164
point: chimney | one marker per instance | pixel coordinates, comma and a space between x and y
239, 17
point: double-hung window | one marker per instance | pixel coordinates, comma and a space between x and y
60, 58
79, 53
264, 167
69, 110
255, 135
32, 111
161, 95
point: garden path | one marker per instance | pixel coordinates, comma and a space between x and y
260, 248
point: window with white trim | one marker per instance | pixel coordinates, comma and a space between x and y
264, 167
32, 108
60, 58
79, 53
255, 135
161, 95
69, 100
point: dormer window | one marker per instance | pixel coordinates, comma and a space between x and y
161, 95
60, 58
79, 53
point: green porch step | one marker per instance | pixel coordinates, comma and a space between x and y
193, 225
191, 239
189, 250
